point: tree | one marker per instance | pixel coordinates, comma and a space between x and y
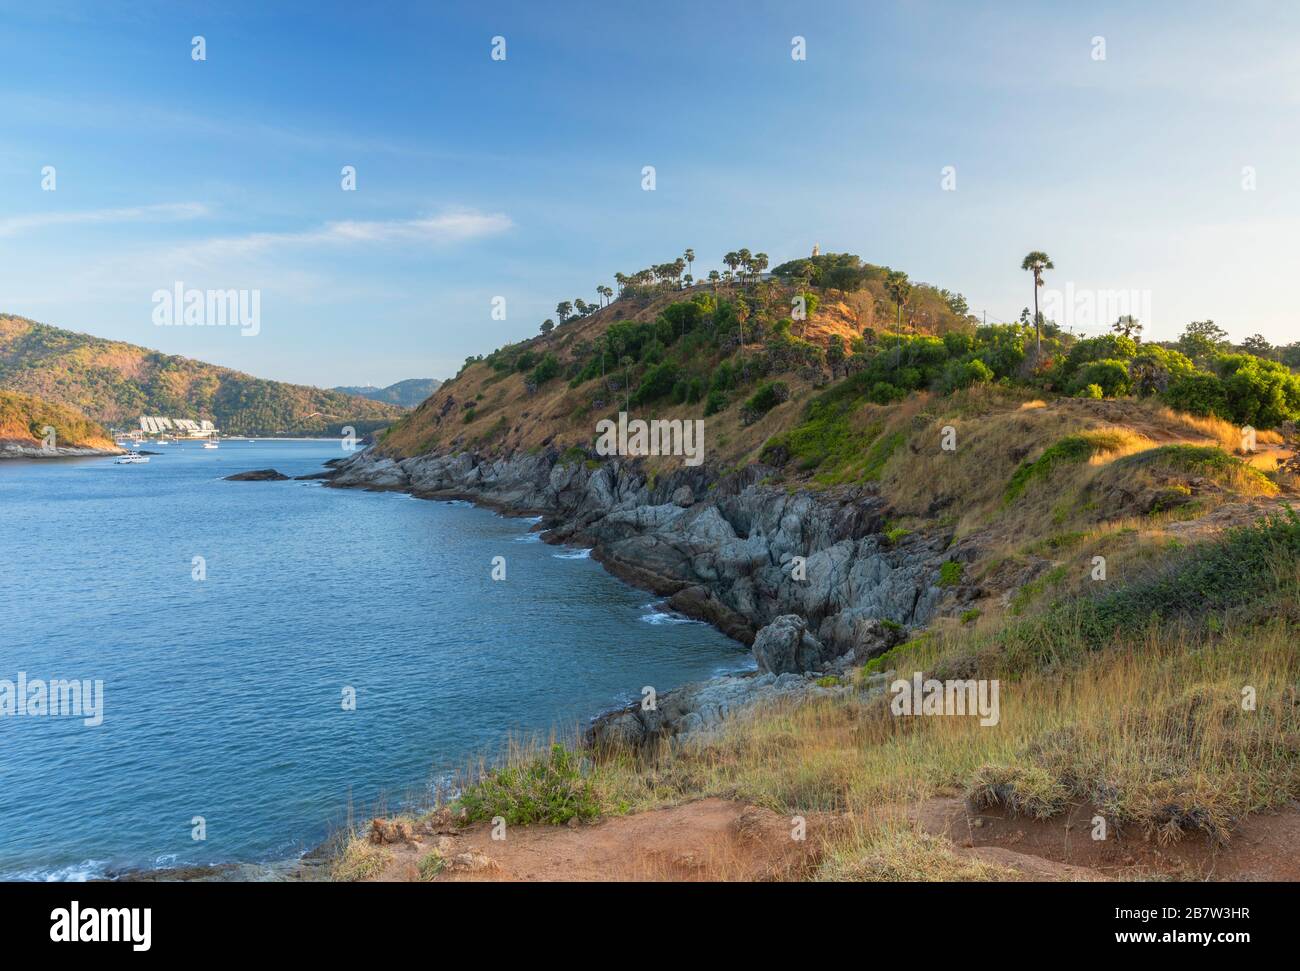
627, 382
621, 280
899, 288
714, 277
732, 260
548, 325
563, 310
1128, 326
690, 260
759, 263
606, 293
746, 262
1202, 339
1258, 345
834, 353
1036, 262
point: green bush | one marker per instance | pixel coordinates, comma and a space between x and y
549, 789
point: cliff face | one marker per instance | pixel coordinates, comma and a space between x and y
723, 550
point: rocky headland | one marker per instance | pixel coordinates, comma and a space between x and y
811, 582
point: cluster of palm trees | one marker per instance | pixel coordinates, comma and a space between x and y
743, 265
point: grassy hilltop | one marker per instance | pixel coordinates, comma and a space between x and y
1117, 560
114, 383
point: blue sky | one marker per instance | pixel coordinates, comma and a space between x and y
522, 178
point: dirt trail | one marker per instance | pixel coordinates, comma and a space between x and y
711, 839
721, 840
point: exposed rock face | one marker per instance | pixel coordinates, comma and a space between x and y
785, 647
722, 550
807, 579
16, 449
258, 475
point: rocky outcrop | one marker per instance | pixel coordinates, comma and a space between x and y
730, 550
23, 449
810, 580
258, 475
785, 646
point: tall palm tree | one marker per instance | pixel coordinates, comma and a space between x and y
690, 260
714, 277
900, 288
760, 263
1036, 262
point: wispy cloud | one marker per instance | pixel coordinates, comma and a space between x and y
163, 212
447, 227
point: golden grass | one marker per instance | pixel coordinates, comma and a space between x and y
897, 852
360, 860
1154, 735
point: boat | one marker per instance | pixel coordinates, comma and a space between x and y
131, 458
211, 442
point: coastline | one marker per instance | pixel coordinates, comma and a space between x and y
17, 449
610, 509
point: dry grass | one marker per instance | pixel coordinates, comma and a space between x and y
360, 860
1154, 734
897, 852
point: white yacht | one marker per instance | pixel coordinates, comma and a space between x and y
131, 458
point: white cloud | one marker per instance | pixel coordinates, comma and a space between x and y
156, 213
448, 227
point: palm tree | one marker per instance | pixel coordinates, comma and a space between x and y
1036, 262
627, 382
899, 287
732, 260
714, 277
690, 259
760, 263
746, 262
621, 280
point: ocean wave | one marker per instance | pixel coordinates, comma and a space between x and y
573, 555
654, 614
529, 538
72, 873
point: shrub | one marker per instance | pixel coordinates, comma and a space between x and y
950, 574
548, 789
765, 399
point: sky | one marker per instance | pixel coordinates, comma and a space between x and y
943, 139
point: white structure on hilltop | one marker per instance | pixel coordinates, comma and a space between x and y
817, 250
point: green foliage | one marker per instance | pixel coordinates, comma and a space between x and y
430, 865
1073, 449
767, 397
546, 369
549, 789
950, 574
25, 416
1250, 565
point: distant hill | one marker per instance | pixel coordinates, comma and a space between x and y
405, 394
24, 419
114, 383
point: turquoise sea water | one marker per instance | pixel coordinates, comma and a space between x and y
223, 698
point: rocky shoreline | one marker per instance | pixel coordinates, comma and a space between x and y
810, 581
13, 449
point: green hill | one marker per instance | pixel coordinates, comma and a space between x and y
404, 394
24, 419
114, 383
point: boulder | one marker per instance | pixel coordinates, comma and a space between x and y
785, 646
